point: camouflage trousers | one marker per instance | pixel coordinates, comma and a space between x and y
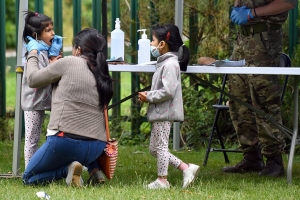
261, 91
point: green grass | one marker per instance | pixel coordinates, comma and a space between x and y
137, 167
10, 91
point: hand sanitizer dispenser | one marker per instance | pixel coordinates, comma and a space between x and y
143, 48
117, 42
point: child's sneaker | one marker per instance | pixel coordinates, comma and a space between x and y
74, 175
190, 174
157, 184
96, 178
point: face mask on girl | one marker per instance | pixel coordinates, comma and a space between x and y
43, 43
155, 51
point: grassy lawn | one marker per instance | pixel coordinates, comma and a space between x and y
10, 91
137, 167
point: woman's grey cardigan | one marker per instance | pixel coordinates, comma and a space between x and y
75, 99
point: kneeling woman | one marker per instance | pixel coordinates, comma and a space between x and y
82, 87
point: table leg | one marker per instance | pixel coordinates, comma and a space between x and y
295, 130
176, 136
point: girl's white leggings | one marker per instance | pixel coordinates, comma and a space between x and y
33, 127
159, 147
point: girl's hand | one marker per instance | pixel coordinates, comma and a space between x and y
53, 58
143, 97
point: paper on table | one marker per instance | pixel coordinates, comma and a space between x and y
113, 59
229, 63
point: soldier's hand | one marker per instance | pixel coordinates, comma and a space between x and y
241, 15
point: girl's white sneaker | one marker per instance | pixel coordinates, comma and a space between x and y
157, 184
190, 174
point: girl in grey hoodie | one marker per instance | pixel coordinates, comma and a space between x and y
35, 101
165, 102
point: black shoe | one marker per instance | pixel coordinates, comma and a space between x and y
274, 166
96, 178
252, 162
245, 166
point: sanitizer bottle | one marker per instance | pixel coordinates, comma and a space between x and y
143, 48
117, 42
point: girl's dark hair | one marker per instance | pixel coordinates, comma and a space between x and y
170, 34
35, 23
91, 43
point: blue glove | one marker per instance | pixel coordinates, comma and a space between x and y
56, 46
234, 10
241, 15
35, 45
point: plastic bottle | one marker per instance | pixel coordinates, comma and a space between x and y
143, 48
117, 42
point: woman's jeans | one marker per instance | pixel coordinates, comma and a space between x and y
52, 159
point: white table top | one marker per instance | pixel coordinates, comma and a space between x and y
213, 69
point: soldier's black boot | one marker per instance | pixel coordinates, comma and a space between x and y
252, 162
274, 166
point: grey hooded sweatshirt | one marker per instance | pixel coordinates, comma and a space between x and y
36, 98
165, 96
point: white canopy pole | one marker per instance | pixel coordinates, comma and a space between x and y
23, 6
179, 23
179, 14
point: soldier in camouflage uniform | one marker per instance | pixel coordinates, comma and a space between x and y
259, 42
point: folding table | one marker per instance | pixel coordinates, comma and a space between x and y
293, 71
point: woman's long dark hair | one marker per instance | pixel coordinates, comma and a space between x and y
170, 34
35, 23
92, 43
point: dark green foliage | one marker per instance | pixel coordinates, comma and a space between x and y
288, 100
128, 140
11, 21
10, 25
4, 129
7, 126
199, 114
296, 57
45, 124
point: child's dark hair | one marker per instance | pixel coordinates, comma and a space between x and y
170, 34
91, 43
35, 23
